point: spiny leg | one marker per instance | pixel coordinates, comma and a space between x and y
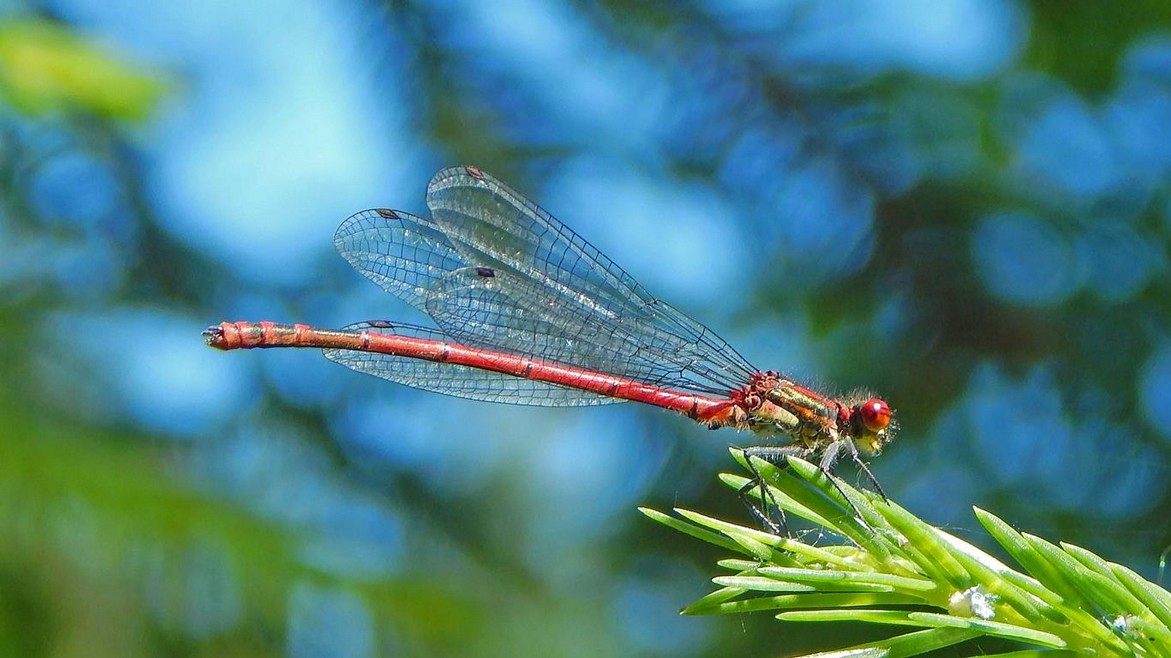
830, 457
865, 469
774, 455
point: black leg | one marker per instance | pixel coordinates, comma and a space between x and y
831, 455
763, 512
869, 476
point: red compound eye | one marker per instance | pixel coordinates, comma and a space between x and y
875, 414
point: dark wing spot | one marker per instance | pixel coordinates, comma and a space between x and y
474, 172
388, 214
486, 272
380, 324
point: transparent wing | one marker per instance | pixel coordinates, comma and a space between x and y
406, 255
509, 312
495, 271
566, 289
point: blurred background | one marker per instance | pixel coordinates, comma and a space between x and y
961, 205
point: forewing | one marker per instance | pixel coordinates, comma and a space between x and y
566, 289
496, 271
404, 254
506, 311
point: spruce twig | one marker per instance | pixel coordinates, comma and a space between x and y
893, 568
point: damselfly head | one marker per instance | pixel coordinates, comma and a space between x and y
873, 424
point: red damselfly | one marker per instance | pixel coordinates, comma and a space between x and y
527, 312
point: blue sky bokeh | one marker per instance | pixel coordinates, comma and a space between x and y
956, 204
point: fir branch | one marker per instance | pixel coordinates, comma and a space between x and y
894, 569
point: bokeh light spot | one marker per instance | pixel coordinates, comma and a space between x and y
1066, 150
325, 621
1119, 262
1155, 391
1022, 259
